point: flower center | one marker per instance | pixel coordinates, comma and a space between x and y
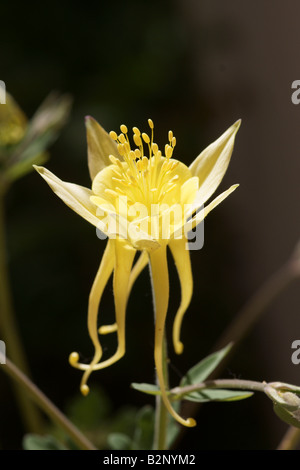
140, 187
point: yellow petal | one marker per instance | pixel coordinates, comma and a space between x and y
211, 165
160, 286
183, 264
75, 196
123, 260
136, 271
124, 256
100, 146
101, 279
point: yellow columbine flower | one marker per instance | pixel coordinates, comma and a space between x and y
142, 203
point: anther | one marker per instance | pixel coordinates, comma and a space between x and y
123, 129
137, 153
170, 135
169, 151
136, 131
122, 139
137, 140
155, 148
173, 141
146, 138
145, 162
113, 135
150, 122
113, 159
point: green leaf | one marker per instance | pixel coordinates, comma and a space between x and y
150, 389
292, 418
22, 167
88, 412
213, 394
143, 434
204, 368
35, 442
119, 441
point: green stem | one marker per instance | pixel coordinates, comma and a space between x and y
9, 329
290, 440
161, 412
220, 383
35, 394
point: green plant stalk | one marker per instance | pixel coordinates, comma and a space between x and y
9, 330
235, 384
161, 412
43, 402
290, 440
46, 405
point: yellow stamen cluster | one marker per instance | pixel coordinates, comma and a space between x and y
147, 176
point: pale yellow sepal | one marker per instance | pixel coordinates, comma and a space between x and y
75, 196
191, 224
210, 166
100, 147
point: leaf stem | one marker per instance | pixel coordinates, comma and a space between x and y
43, 402
220, 383
9, 329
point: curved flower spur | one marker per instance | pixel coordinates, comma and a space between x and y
142, 201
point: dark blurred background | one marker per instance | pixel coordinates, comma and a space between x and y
194, 67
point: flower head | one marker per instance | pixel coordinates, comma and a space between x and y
143, 200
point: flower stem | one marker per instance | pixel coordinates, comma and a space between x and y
235, 384
161, 412
9, 329
35, 394
290, 440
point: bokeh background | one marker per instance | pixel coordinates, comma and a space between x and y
193, 66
